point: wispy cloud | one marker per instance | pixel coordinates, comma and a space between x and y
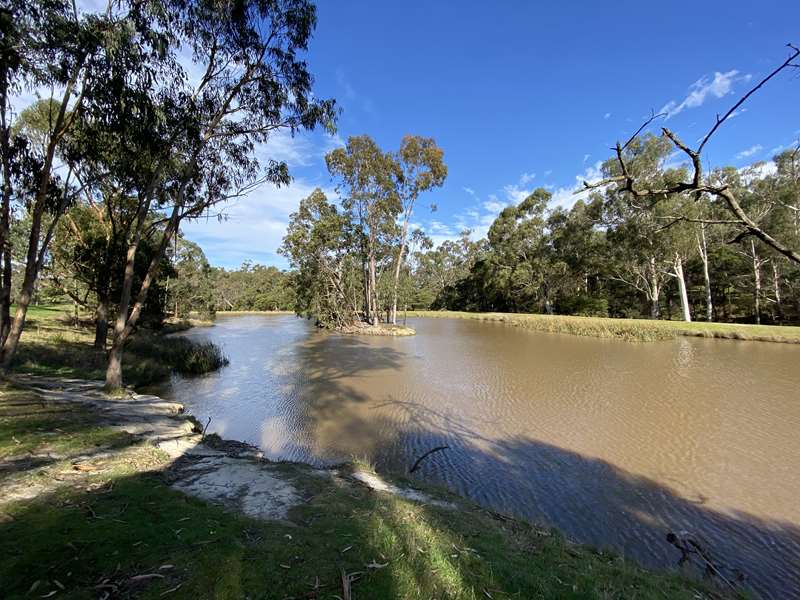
721, 84
607, 115
353, 97
749, 152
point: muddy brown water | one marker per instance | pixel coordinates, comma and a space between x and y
613, 443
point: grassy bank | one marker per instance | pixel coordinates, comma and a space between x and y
111, 526
54, 343
628, 329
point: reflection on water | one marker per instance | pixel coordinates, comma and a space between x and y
612, 442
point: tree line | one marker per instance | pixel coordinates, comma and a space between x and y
656, 237
676, 257
148, 116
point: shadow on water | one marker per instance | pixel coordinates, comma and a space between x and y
330, 415
628, 513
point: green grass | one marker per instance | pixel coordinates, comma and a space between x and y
123, 530
55, 344
628, 329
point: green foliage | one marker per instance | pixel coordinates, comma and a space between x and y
252, 287
621, 257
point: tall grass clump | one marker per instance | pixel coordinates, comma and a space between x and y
180, 354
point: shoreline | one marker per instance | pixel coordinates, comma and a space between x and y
237, 476
631, 330
255, 312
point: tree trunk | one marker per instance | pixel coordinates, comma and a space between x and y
399, 265
5, 295
373, 286
11, 342
35, 254
776, 284
101, 324
397, 278
687, 314
703, 248
114, 370
756, 282
655, 292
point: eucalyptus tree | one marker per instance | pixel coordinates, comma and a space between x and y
367, 182
252, 82
634, 226
520, 257
321, 246
190, 288
86, 62
421, 168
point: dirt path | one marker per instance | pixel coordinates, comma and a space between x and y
229, 473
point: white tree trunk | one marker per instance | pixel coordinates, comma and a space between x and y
678, 265
703, 248
756, 282
655, 291
776, 284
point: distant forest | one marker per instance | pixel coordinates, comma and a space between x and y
605, 256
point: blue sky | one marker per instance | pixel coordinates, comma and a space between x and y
522, 95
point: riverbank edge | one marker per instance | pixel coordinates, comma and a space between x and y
572, 557
255, 312
632, 330
382, 329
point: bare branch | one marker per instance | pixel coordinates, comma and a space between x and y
743, 99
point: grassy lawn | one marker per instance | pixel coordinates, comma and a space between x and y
55, 344
109, 525
628, 329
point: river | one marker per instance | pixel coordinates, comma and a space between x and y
614, 443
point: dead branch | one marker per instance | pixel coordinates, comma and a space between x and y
627, 182
426, 455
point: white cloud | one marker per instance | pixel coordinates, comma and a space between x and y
565, 197
721, 84
470, 191
254, 225
439, 227
749, 152
586, 157
527, 178
493, 205
757, 171
607, 115
738, 112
